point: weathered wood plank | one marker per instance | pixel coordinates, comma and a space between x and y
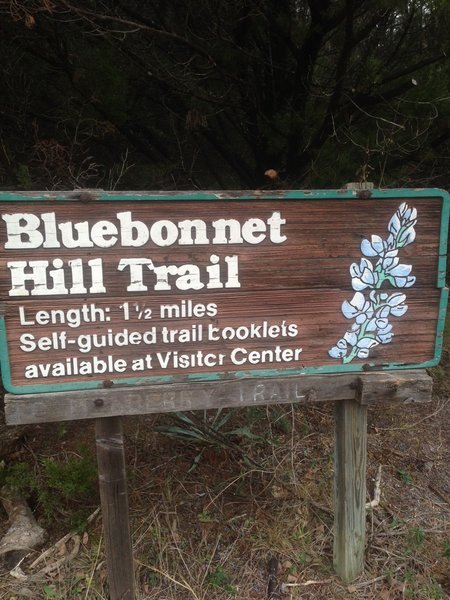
135, 400
349, 488
408, 388
114, 501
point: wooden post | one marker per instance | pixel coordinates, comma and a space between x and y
114, 502
350, 450
349, 488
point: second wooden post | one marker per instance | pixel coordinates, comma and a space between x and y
350, 488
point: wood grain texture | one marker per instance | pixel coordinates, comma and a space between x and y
135, 400
300, 282
405, 388
349, 489
317, 317
114, 501
323, 238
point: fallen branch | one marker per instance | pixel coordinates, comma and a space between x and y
23, 535
285, 586
377, 491
438, 493
60, 542
55, 565
363, 584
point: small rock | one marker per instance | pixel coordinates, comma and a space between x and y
26, 593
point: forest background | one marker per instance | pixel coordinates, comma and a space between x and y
224, 95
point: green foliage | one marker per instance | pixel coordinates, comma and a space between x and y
58, 484
282, 421
304, 558
71, 478
447, 549
214, 93
23, 177
405, 475
50, 591
208, 430
18, 477
396, 522
192, 429
220, 579
419, 588
205, 517
435, 591
416, 537
255, 414
66, 483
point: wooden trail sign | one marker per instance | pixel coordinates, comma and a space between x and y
115, 304
106, 289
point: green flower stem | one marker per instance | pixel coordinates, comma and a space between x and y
361, 334
402, 229
351, 356
382, 277
354, 352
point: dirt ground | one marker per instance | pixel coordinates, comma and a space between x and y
208, 529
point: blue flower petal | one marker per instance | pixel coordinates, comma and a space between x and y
358, 284
367, 249
351, 338
367, 342
383, 312
371, 325
348, 310
396, 299
399, 311
382, 323
394, 225
377, 244
400, 270
336, 352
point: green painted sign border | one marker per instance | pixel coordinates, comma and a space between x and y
219, 196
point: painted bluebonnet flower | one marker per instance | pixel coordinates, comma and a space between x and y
397, 273
363, 275
390, 305
364, 345
358, 308
384, 334
376, 246
401, 226
371, 314
340, 350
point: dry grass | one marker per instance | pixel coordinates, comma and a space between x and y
209, 533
